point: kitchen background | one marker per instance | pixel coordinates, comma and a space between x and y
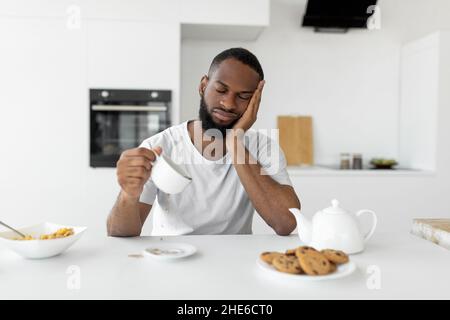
381, 92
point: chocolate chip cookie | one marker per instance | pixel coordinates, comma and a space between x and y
268, 256
333, 267
290, 252
335, 256
303, 250
313, 262
288, 264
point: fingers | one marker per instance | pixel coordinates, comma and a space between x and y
134, 169
133, 182
257, 98
124, 170
257, 103
137, 172
142, 152
139, 162
158, 150
260, 88
261, 85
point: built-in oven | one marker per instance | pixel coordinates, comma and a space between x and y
122, 119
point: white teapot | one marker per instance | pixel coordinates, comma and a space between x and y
333, 228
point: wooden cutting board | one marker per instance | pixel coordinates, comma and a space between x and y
434, 230
296, 139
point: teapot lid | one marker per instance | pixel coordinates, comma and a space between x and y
334, 208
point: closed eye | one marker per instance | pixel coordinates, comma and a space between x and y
245, 96
221, 90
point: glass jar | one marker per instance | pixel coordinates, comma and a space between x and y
345, 161
357, 163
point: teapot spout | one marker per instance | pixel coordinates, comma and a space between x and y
304, 226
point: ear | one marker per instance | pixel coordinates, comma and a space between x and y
203, 84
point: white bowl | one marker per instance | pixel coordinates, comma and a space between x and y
39, 249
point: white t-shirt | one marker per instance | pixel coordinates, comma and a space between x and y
215, 202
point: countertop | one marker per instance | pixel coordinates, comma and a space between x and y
394, 265
324, 171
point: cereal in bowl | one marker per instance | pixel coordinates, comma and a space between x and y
60, 233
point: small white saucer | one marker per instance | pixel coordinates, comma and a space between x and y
169, 250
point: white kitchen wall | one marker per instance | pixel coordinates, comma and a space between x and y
350, 84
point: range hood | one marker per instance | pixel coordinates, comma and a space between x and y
337, 15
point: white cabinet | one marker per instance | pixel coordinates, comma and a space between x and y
43, 122
44, 97
230, 12
223, 20
421, 72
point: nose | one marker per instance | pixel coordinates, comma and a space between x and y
228, 101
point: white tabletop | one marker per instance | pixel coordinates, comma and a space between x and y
223, 268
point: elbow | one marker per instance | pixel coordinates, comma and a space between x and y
110, 232
114, 231
284, 231
288, 225
286, 228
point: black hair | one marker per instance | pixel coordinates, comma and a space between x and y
240, 54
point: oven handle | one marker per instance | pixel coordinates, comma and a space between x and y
97, 107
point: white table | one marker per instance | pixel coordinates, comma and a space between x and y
223, 268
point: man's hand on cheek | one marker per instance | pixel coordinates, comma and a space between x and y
248, 118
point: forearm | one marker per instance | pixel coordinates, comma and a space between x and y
124, 219
270, 199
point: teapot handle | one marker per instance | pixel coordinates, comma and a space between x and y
374, 222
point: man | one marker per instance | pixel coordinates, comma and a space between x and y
230, 180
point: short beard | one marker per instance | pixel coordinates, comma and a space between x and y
208, 122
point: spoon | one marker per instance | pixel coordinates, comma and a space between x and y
10, 228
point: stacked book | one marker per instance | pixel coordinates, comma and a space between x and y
434, 230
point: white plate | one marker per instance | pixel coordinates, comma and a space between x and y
343, 270
169, 250
39, 249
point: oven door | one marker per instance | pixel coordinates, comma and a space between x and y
115, 128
